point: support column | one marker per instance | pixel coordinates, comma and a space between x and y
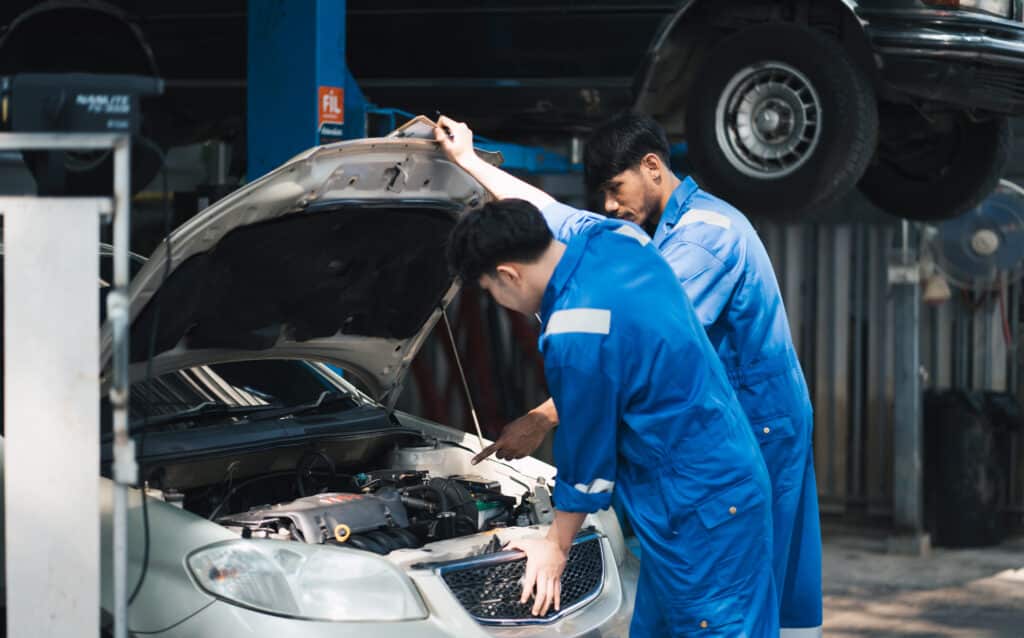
299, 92
908, 443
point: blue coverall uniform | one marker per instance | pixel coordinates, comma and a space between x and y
646, 410
725, 271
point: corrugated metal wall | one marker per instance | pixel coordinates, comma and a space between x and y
833, 279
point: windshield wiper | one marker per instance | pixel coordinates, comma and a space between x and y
328, 401
203, 411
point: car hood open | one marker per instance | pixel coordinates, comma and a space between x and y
336, 256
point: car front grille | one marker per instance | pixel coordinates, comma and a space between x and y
489, 586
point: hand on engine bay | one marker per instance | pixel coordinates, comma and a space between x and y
523, 436
545, 562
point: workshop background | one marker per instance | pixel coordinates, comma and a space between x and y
835, 272
834, 282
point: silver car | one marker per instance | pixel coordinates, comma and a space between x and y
285, 495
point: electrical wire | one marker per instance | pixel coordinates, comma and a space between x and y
149, 358
247, 482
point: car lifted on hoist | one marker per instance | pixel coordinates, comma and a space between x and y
785, 105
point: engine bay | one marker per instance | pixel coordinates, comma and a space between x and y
387, 510
413, 501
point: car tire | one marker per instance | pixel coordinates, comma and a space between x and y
817, 110
936, 167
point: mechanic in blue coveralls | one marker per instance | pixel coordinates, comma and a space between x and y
675, 447
726, 273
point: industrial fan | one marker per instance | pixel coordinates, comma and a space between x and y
974, 250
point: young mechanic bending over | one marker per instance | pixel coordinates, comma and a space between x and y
616, 331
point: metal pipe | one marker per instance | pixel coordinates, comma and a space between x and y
965, 343
124, 467
883, 356
886, 364
1013, 299
970, 328
860, 294
62, 141
907, 430
1016, 496
830, 325
986, 351
808, 321
905, 232
935, 362
810, 324
961, 338
1001, 338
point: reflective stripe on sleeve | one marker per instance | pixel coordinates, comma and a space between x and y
587, 320
597, 486
698, 216
631, 231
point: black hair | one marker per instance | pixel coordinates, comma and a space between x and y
619, 144
497, 232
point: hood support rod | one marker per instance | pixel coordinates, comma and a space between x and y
462, 374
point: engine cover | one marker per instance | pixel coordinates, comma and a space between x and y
316, 517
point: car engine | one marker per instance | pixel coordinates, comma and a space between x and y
388, 510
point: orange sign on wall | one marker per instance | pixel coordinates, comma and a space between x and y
331, 101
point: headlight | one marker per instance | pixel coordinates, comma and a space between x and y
1000, 8
306, 581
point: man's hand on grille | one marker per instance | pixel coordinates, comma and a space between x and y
545, 562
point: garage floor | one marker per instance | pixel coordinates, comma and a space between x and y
970, 593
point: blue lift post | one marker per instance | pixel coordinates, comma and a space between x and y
300, 93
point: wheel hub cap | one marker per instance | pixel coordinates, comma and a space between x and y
768, 120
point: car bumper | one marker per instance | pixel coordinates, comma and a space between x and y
606, 616
966, 60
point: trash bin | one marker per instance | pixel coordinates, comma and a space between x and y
966, 465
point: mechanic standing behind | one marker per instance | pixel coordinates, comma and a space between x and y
723, 266
676, 448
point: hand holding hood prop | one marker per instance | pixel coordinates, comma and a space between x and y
423, 127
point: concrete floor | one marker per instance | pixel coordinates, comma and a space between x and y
968, 593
